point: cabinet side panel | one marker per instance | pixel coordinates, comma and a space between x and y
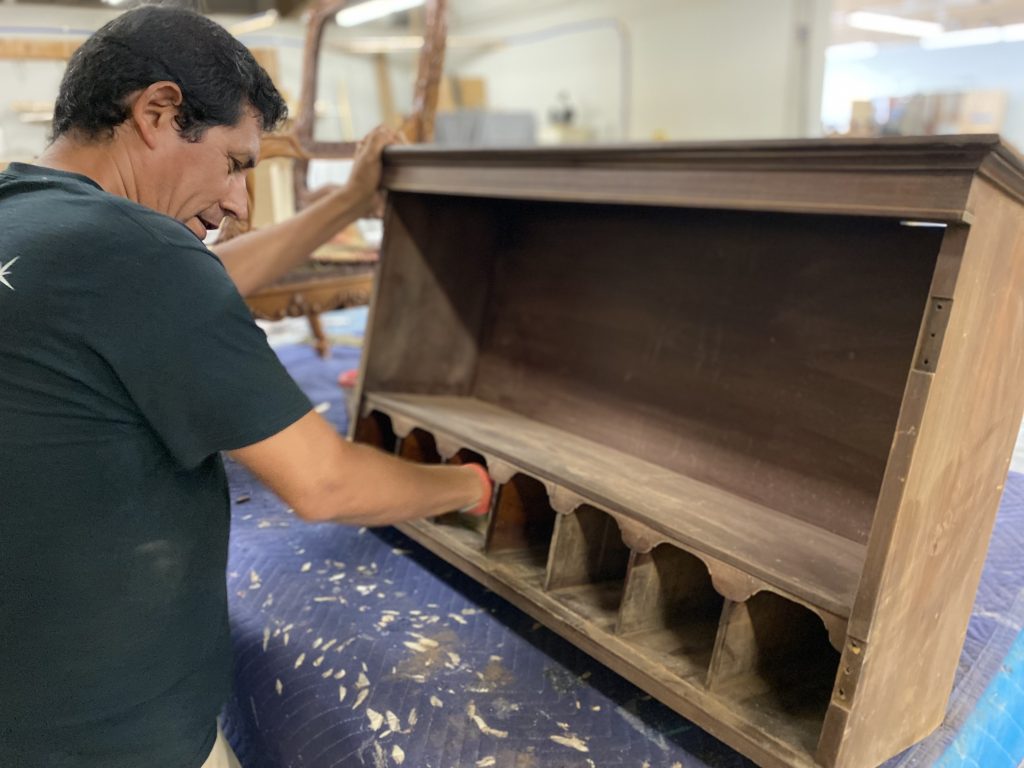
431, 292
927, 550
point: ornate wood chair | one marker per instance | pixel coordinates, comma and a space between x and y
337, 277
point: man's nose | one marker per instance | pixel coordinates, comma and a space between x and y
236, 202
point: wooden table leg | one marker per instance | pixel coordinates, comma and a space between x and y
323, 346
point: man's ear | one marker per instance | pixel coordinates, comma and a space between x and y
154, 111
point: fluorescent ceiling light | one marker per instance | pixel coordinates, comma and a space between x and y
1013, 33
964, 37
894, 25
373, 9
852, 51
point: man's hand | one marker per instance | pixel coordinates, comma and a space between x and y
257, 258
364, 181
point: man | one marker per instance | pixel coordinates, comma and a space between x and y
128, 361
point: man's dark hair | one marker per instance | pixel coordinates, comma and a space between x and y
218, 76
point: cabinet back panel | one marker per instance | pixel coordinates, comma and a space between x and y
763, 353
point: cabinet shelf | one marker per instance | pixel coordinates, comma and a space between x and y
798, 558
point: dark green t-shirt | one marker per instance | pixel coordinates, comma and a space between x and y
127, 362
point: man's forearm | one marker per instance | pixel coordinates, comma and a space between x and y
258, 258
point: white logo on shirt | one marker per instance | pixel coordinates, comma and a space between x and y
5, 270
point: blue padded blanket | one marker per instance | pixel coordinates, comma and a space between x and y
359, 648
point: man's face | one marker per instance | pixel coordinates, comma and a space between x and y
209, 175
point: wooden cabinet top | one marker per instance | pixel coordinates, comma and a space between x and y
907, 177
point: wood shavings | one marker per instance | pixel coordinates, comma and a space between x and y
242, 498
323, 407
397, 754
317, 642
436, 702
264, 524
298, 661
305, 567
571, 741
328, 673
470, 611
412, 717
399, 551
428, 642
342, 691
266, 638
393, 722
363, 681
286, 638
361, 697
376, 719
454, 658
337, 577
340, 675
457, 618
422, 645
319, 661
328, 644
483, 726
486, 762
364, 589
278, 686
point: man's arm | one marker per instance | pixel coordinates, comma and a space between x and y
256, 259
326, 478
